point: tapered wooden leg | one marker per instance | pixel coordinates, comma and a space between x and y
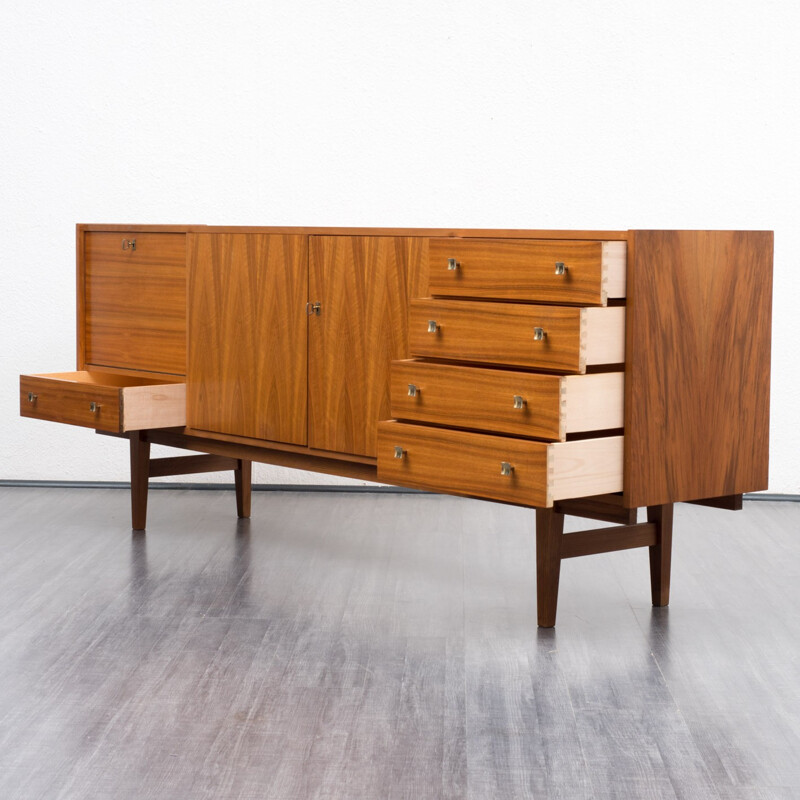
661, 553
140, 472
549, 528
243, 477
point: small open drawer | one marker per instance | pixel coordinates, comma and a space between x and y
103, 401
519, 471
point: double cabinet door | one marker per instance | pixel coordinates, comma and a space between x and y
290, 337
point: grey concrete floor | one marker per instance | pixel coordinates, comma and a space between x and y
385, 646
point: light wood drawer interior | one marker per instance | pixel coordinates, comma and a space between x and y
135, 301
504, 401
106, 402
501, 468
544, 271
555, 338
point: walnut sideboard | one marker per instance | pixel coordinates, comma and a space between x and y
575, 372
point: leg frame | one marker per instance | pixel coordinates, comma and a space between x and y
143, 468
552, 545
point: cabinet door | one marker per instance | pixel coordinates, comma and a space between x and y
135, 301
363, 284
247, 335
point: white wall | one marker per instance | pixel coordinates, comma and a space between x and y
508, 113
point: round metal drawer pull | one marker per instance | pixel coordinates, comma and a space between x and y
539, 334
129, 244
506, 468
398, 451
94, 407
414, 390
433, 326
452, 264
32, 398
519, 401
561, 268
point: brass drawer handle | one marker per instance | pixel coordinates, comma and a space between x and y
519, 401
506, 468
414, 390
433, 326
398, 451
539, 334
32, 398
313, 308
452, 264
561, 268
94, 407
129, 244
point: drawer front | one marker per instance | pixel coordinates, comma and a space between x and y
496, 333
506, 333
87, 405
517, 471
135, 301
105, 402
463, 463
517, 403
581, 273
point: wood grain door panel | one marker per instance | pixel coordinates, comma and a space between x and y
135, 301
247, 335
363, 285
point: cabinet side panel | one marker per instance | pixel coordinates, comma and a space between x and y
80, 305
698, 364
363, 285
247, 335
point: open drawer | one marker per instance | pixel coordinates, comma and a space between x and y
103, 401
520, 471
512, 402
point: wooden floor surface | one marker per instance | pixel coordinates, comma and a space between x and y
385, 646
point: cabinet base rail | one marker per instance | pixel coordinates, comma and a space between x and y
552, 544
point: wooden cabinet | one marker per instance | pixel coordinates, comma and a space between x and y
580, 372
247, 335
292, 331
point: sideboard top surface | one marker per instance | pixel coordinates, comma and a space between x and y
493, 233
502, 233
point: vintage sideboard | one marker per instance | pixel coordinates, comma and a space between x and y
575, 372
